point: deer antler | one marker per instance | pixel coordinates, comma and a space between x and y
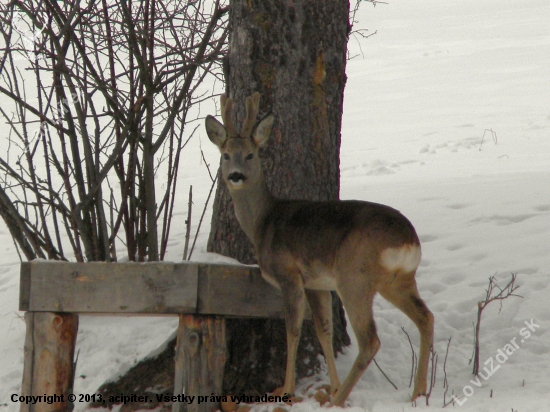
252, 108
226, 109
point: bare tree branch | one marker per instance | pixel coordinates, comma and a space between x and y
99, 91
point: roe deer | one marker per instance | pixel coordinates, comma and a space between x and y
308, 248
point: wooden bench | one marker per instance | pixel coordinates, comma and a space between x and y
54, 293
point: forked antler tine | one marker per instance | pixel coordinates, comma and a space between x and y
252, 108
226, 109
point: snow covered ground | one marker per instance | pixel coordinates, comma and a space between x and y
419, 99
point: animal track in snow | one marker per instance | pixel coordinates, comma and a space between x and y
501, 220
458, 206
478, 257
465, 306
436, 288
454, 279
451, 145
536, 347
430, 199
540, 285
478, 284
440, 306
4, 280
453, 247
524, 271
427, 238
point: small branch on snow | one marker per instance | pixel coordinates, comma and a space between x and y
385, 376
414, 359
503, 293
445, 382
433, 358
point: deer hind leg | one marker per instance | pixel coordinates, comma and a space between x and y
320, 302
357, 300
294, 302
403, 293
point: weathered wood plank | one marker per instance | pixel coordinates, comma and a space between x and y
238, 291
148, 288
99, 287
25, 286
49, 350
200, 361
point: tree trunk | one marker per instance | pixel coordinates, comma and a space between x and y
294, 54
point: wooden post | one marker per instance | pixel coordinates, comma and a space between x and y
48, 367
200, 361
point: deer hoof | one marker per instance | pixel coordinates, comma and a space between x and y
280, 391
417, 393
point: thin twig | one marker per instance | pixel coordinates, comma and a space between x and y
414, 357
383, 373
188, 223
202, 216
433, 358
445, 382
452, 401
207, 165
493, 135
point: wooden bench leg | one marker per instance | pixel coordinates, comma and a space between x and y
200, 361
48, 361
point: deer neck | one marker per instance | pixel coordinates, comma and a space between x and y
251, 205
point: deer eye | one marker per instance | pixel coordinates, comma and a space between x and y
225, 156
249, 156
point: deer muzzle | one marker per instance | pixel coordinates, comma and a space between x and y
236, 178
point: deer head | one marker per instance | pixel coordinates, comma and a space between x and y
241, 166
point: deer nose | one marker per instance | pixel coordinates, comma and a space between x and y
236, 177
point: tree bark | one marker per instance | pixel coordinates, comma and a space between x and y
294, 54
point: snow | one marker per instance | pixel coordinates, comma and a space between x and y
421, 98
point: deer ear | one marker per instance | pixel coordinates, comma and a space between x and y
263, 130
215, 130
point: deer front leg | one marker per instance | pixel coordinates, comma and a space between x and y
294, 306
320, 302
